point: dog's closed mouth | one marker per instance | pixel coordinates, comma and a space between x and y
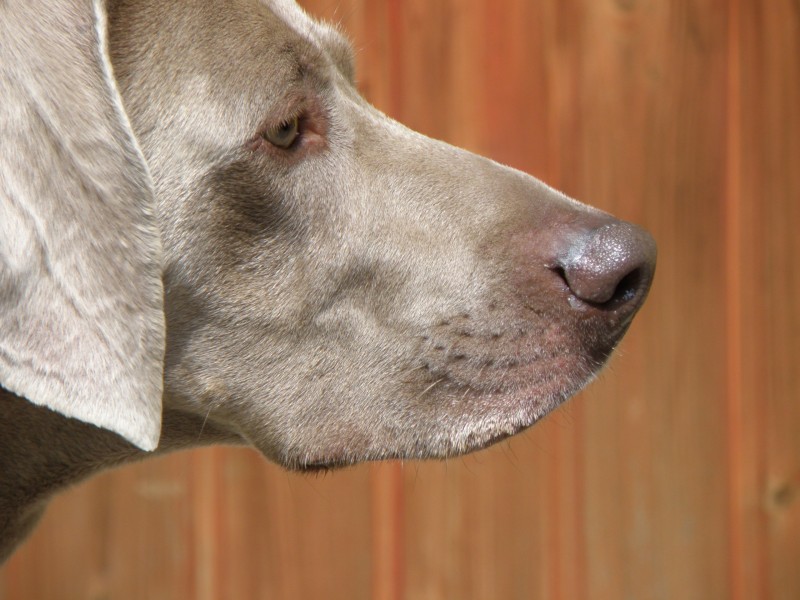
319, 468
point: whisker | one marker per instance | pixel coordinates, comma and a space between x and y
430, 387
205, 420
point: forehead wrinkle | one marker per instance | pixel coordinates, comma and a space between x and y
305, 61
295, 17
341, 51
325, 37
297, 69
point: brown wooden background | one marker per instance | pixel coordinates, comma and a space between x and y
677, 475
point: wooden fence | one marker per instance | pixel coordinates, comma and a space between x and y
676, 476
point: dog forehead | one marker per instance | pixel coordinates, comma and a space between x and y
294, 17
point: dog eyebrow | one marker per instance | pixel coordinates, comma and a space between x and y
339, 48
328, 38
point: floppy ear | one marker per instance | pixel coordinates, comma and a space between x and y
81, 316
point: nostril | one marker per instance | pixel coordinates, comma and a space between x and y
559, 270
625, 291
627, 287
610, 266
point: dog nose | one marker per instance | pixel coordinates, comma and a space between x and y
610, 266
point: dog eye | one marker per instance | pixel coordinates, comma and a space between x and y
284, 135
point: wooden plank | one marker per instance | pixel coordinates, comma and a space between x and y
677, 475
287, 536
214, 523
98, 539
562, 33
462, 540
485, 526
769, 38
652, 134
388, 539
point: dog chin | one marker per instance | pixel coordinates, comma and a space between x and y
485, 418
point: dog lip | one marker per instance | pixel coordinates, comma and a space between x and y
318, 467
320, 464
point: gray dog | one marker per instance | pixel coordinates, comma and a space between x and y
207, 235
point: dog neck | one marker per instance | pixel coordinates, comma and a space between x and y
43, 452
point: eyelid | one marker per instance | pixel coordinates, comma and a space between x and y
313, 123
293, 111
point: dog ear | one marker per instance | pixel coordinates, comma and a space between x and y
81, 299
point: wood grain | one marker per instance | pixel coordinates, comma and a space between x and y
676, 475
768, 496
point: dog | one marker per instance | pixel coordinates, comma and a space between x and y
208, 236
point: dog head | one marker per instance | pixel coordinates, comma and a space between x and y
339, 288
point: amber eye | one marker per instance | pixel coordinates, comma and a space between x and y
284, 135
